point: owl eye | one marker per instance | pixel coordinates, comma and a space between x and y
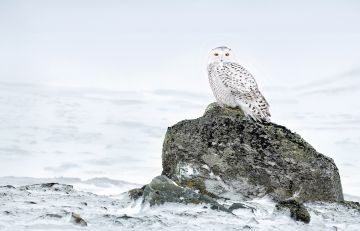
216, 54
227, 54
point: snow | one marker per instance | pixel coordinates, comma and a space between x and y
100, 186
89, 133
186, 171
49, 208
107, 142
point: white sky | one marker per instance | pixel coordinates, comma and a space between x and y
164, 44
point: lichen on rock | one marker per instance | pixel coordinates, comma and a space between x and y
229, 155
163, 190
297, 210
136, 193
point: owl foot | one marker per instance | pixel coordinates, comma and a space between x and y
232, 109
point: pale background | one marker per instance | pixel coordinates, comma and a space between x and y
88, 88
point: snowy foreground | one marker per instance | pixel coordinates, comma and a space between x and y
62, 207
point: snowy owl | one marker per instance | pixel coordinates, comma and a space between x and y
234, 86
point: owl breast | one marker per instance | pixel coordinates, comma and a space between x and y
222, 93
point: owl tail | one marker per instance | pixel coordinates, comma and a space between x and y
258, 114
256, 111
261, 107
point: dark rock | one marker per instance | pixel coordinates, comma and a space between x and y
52, 216
49, 187
6, 190
126, 217
351, 205
31, 202
77, 220
231, 156
235, 206
162, 190
84, 203
74, 217
8, 186
297, 210
136, 193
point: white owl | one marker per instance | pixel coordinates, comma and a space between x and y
234, 86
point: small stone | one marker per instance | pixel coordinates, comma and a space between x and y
52, 216
31, 202
77, 220
351, 205
297, 210
84, 203
8, 186
238, 206
124, 217
136, 193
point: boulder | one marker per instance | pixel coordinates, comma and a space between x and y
226, 154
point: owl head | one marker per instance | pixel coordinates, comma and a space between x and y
221, 54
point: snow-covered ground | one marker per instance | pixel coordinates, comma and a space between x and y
90, 133
50, 207
52, 132
107, 142
99, 186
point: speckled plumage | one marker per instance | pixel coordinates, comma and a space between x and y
234, 86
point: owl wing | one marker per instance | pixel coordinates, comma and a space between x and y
237, 78
244, 87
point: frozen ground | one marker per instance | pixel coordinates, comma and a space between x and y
87, 133
88, 137
50, 207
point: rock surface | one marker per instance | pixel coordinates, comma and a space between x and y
162, 190
55, 210
225, 154
297, 210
